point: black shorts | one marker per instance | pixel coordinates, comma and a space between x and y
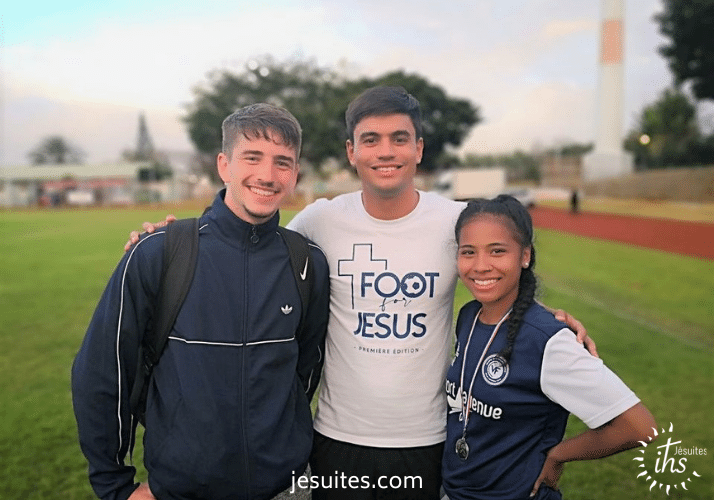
345, 471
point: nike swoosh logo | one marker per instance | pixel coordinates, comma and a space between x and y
303, 274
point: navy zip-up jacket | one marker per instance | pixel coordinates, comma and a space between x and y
228, 411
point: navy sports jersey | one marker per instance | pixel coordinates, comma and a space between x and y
519, 411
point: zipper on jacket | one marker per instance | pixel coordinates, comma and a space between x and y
254, 239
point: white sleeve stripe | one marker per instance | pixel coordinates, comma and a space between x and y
121, 311
581, 383
232, 344
119, 460
309, 380
318, 247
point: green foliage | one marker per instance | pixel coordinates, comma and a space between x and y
318, 98
668, 134
650, 313
157, 171
687, 24
55, 150
310, 93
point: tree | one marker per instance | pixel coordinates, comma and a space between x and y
668, 134
690, 52
55, 150
156, 171
144, 144
318, 97
158, 166
312, 94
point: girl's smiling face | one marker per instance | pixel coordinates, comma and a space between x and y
490, 260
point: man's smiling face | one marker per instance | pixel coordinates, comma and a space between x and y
385, 152
259, 174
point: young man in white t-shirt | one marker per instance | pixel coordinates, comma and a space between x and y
380, 422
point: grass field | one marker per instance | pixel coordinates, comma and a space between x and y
651, 313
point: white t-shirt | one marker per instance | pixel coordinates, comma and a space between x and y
391, 310
581, 383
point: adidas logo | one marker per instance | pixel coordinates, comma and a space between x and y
286, 309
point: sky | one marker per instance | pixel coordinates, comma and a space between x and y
86, 70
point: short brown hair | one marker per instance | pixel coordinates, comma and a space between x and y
258, 120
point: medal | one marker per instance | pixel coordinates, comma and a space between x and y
462, 448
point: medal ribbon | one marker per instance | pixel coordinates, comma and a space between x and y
466, 407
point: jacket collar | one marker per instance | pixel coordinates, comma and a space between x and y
232, 227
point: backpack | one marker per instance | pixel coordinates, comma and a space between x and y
180, 255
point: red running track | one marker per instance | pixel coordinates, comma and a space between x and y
695, 239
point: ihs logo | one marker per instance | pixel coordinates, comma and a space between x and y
665, 459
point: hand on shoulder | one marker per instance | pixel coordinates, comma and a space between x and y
579, 329
148, 228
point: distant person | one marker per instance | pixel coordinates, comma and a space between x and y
228, 413
575, 201
519, 373
390, 248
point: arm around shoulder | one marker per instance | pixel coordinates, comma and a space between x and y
581, 334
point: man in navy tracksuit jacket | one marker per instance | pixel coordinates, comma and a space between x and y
227, 413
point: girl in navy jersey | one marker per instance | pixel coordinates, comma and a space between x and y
519, 373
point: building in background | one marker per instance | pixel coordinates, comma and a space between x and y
84, 185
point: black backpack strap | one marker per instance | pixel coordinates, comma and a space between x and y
302, 269
179, 264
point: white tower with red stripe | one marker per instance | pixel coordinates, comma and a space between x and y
609, 158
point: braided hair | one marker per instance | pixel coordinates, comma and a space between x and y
517, 218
